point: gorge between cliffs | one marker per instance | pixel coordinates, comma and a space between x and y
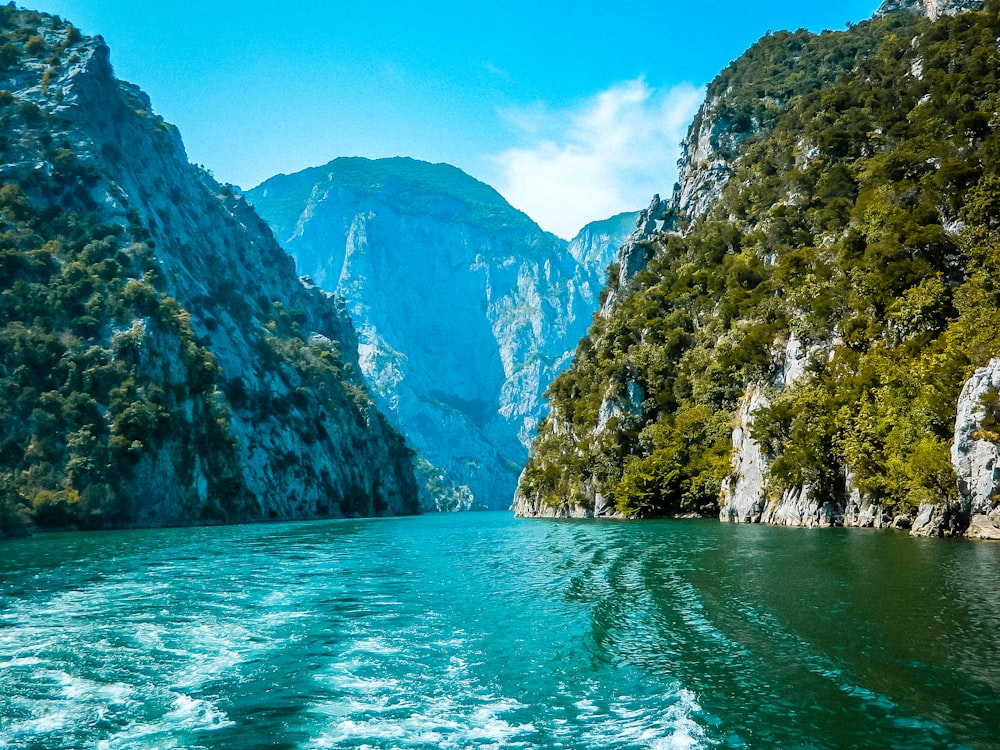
802, 333
261, 420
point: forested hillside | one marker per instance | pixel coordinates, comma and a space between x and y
832, 253
160, 362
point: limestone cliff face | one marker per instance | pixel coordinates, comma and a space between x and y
634, 251
464, 308
743, 498
933, 9
746, 496
706, 158
596, 245
975, 452
293, 446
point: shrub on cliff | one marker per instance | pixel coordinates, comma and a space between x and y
860, 218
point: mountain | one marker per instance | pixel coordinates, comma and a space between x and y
465, 308
804, 332
161, 363
596, 245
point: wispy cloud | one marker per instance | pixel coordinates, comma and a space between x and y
610, 154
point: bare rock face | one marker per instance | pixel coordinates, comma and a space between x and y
745, 496
705, 165
933, 9
297, 444
465, 309
861, 511
940, 519
743, 493
984, 526
799, 507
631, 256
975, 451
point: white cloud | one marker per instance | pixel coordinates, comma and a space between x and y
610, 154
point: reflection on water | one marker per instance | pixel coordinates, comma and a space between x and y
480, 630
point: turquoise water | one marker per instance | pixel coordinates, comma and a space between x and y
480, 630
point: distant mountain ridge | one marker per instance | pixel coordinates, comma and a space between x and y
465, 308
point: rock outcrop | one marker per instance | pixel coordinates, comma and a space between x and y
975, 452
746, 496
295, 434
634, 252
706, 158
596, 245
465, 309
933, 9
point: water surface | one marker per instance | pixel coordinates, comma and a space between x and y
480, 630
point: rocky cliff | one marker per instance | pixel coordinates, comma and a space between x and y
788, 335
933, 9
596, 245
975, 451
745, 496
190, 376
465, 309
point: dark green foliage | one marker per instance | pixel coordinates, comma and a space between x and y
862, 217
80, 406
989, 425
112, 408
9, 55
82, 402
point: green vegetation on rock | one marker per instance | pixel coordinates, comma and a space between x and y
860, 217
160, 361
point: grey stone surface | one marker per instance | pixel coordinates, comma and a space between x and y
216, 255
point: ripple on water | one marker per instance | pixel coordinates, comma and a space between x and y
390, 635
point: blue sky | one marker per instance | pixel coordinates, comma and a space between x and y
574, 111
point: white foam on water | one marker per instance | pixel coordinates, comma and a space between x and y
22, 661
77, 677
83, 690
685, 732
374, 646
205, 651
440, 725
488, 726
401, 679
51, 721
627, 721
61, 702
681, 739
389, 694
390, 697
343, 678
195, 713
187, 715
